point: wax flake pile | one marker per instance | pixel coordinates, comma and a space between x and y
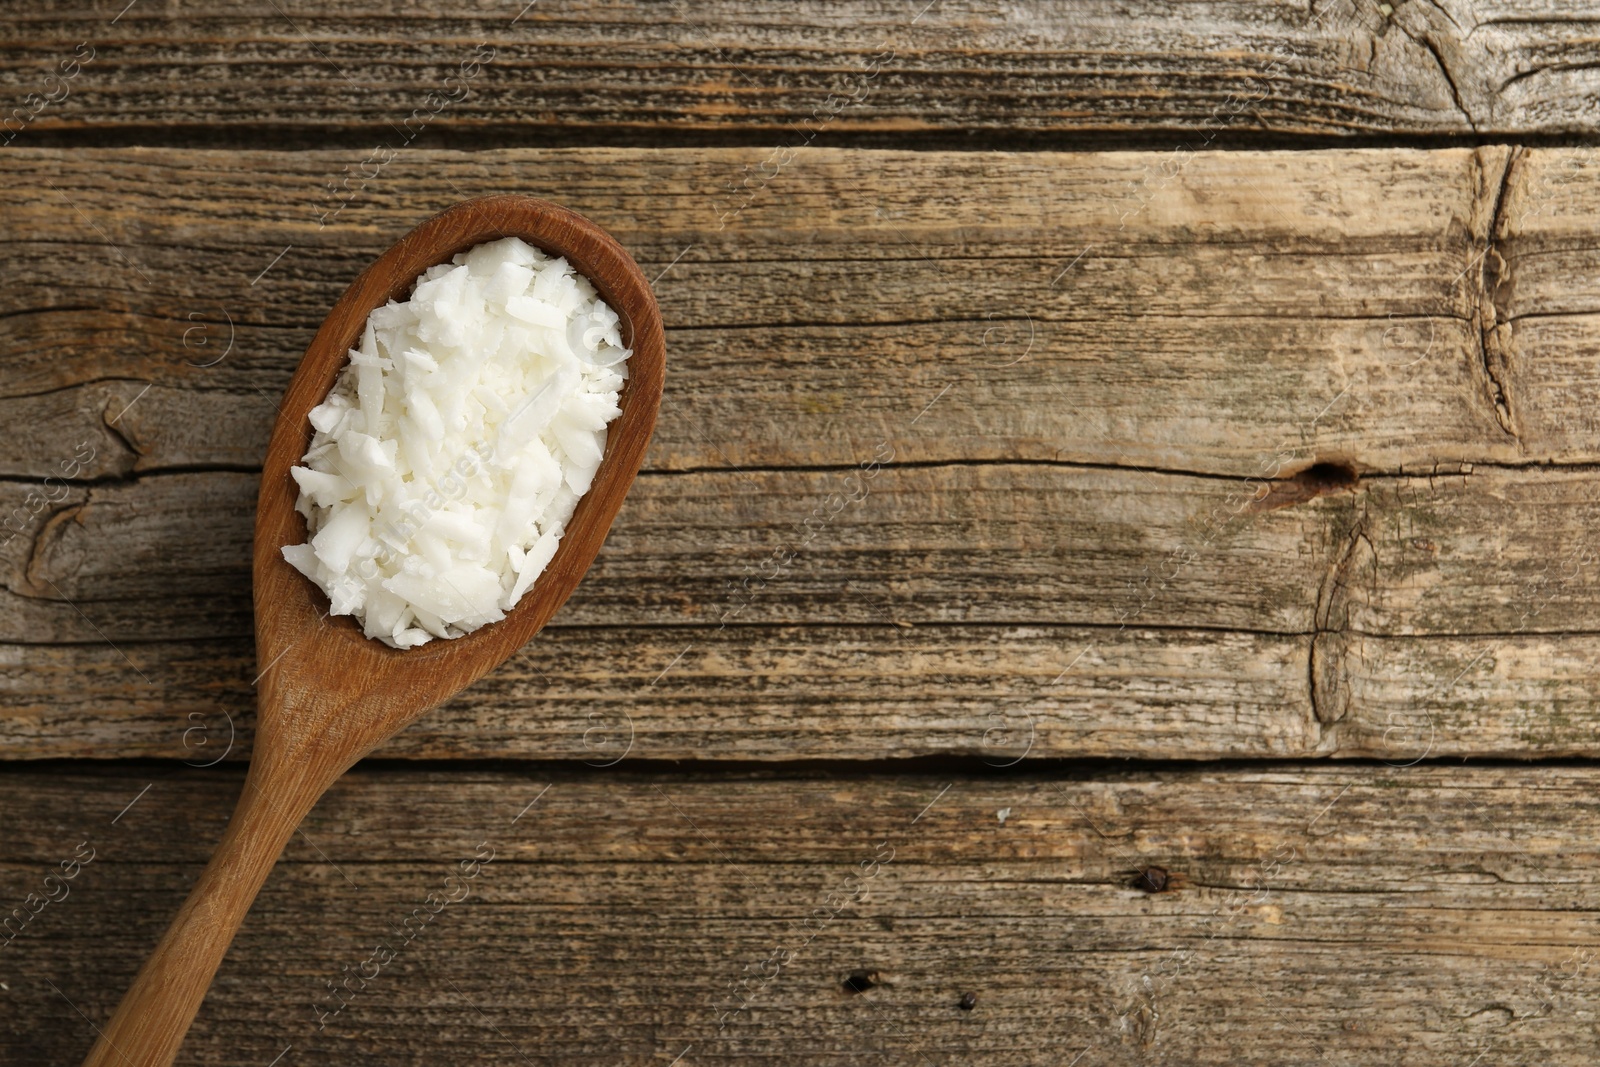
452, 450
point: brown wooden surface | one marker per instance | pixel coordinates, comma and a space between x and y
1207, 466
1087, 483
1371, 914
880, 277
1331, 69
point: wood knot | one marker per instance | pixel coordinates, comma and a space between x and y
861, 981
1322, 478
1152, 880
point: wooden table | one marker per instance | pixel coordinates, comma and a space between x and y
1115, 580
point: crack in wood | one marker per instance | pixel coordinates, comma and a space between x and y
34, 566
1289, 486
1329, 646
1491, 297
1455, 93
1426, 39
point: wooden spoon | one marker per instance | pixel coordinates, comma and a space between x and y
328, 695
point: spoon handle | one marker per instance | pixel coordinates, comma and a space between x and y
156, 1011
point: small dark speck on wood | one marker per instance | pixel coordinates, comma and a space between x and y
969, 1001
1151, 880
861, 981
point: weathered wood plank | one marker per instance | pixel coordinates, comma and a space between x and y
600, 695
793, 74
1000, 694
1524, 696
1079, 307
1131, 343
167, 557
1543, 299
701, 564
1434, 914
1317, 305
1488, 551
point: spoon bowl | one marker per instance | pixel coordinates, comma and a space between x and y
327, 694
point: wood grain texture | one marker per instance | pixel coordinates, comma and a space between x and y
1491, 551
1066, 307
1089, 386
959, 543
600, 695
1089, 308
1421, 316
398, 74
1352, 913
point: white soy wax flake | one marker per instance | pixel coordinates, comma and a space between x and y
454, 446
